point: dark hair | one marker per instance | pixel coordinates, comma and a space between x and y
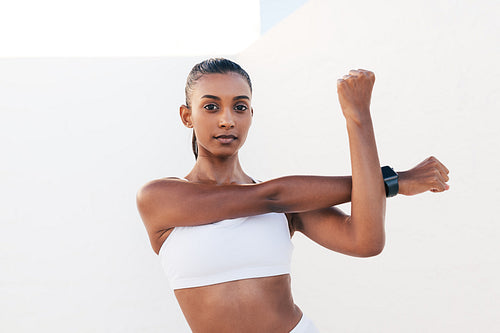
211, 66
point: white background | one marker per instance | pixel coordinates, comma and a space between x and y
118, 28
79, 136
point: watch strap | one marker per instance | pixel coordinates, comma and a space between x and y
391, 181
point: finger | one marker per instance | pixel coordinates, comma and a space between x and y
445, 177
442, 184
354, 72
361, 71
347, 76
439, 187
439, 164
366, 72
440, 175
443, 170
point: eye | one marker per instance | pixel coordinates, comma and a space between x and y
240, 107
211, 107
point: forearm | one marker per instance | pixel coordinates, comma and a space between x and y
368, 192
366, 226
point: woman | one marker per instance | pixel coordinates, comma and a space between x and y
224, 240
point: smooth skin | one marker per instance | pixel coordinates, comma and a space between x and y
220, 112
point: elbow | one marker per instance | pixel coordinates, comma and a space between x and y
371, 249
371, 246
369, 240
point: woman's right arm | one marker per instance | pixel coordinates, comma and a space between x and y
167, 203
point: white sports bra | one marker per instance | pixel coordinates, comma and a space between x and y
228, 250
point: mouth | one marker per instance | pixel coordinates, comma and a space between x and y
225, 139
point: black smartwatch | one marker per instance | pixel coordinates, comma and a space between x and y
390, 181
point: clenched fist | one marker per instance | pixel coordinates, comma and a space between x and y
355, 92
429, 175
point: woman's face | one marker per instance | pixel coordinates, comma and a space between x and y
220, 113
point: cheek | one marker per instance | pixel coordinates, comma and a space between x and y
202, 124
245, 127
248, 122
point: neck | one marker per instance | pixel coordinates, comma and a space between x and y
219, 171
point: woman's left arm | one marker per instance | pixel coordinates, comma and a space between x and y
331, 228
362, 233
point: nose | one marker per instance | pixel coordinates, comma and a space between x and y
226, 119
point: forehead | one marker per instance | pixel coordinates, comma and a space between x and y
221, 85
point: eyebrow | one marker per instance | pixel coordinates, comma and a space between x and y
218, 98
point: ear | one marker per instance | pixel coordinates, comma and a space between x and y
185, 114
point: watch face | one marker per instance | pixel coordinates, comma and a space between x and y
388, 173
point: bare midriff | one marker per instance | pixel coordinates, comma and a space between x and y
247, 306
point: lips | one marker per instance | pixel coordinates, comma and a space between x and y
225, 139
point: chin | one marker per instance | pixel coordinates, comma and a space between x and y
225, 152
224, 155
219, 153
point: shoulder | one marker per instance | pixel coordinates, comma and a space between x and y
153, 188
155, 184
155, 198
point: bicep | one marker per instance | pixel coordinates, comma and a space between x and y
329, 227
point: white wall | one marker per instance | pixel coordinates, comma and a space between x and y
79, 136
436, 93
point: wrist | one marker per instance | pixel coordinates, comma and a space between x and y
358, 118
403, 182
